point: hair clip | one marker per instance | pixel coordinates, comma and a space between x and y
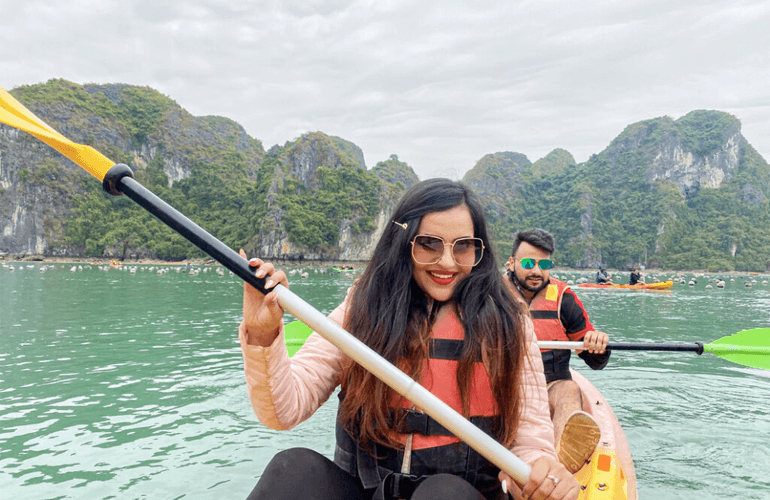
403, 225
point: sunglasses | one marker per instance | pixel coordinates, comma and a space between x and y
429, 250
544, 264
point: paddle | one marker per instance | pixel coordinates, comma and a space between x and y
118, 179
748, 347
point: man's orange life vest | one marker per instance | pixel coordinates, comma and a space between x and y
545, 308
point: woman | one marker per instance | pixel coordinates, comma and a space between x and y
432, 302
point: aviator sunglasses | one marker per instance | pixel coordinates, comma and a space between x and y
544, 264
429, 250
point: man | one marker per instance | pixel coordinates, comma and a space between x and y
602, 277
635, 277
558, 315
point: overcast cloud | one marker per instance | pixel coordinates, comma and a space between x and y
440, 84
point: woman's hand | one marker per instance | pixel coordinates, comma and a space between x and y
262, 315
549, 479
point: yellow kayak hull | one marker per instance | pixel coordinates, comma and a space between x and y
609, 473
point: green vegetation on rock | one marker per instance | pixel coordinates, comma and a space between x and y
679, 194
615, 210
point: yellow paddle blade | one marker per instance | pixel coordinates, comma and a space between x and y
14, 114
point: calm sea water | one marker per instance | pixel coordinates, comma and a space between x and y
130, 386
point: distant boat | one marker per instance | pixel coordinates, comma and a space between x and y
659, 285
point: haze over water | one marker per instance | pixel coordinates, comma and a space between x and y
120, 385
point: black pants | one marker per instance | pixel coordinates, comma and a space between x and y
303, 474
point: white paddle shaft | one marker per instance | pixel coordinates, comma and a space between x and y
559, 344
404, 385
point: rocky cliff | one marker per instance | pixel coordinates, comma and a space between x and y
164, 144
305, 169
618, 208
664, 192
38, 184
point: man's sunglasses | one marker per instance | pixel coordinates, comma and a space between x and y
544, 264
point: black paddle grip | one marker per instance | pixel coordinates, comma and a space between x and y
120, 180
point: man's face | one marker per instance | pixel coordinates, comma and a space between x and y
534, 279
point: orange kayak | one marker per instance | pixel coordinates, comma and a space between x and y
660, 285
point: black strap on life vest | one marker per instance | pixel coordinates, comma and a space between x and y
407, 421
376, 469
397, 485
556, 365
544, 314
448, 349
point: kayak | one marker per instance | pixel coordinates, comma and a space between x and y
659, 285
608, 475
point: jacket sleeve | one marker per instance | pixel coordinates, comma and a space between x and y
286, 391
596, 361
535, 437
573, 316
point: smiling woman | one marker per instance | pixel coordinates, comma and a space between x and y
432, 302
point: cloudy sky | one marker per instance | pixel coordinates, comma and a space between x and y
439, 83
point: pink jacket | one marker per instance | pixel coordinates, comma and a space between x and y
286, 391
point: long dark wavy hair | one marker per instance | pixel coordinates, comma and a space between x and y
391, 314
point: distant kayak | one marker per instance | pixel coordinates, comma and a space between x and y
660, 285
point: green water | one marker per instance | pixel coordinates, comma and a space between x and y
128, 386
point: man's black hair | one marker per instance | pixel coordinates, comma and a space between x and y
539, 238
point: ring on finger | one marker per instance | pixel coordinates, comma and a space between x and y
554, 479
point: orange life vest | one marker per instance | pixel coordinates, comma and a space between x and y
440, 378
434, 449
545, 309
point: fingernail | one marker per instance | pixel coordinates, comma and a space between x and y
505, 487
268, 283
260, 273
252, 262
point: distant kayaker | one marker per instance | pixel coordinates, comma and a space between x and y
432, 302
635, 277
558, 315
602, 277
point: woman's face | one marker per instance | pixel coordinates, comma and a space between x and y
440, 279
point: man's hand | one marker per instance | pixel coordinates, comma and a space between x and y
594, 342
